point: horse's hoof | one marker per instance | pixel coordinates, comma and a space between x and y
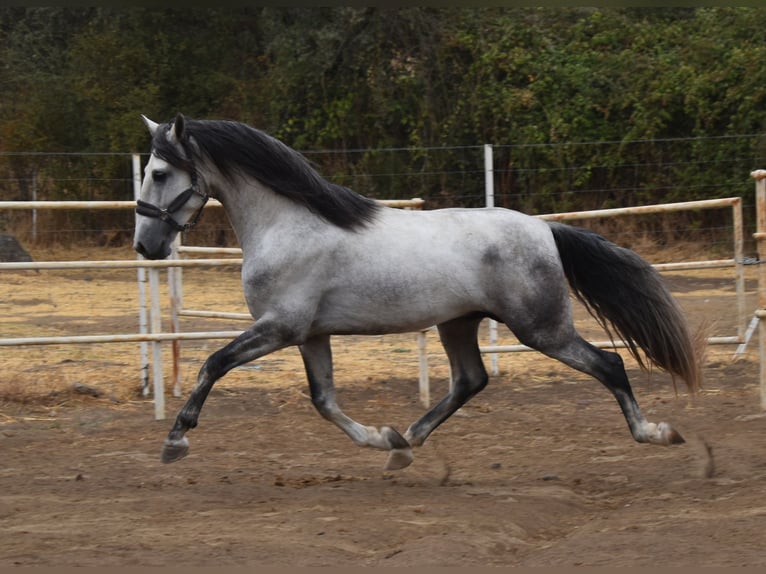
399, 458
669, 434
175, 450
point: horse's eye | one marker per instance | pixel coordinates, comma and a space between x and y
159, 176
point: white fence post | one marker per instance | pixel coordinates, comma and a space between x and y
424, 386
176, 304
760, 237
34, 211
489, 193
156, 327
142, 316
154, 318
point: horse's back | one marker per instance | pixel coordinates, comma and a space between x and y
478, 239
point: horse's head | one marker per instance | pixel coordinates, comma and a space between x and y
171, 200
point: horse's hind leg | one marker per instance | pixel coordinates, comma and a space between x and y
460, 341
608, 368
545, 324
317, 358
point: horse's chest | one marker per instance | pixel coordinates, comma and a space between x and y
284, 287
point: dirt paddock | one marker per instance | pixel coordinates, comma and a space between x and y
539, 469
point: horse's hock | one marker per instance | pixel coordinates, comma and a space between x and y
11, 250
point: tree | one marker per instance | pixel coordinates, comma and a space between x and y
533, 81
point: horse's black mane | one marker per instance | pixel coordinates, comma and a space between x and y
238, 148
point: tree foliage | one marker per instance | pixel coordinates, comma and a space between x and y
533, 81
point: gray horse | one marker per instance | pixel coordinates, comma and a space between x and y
321, 260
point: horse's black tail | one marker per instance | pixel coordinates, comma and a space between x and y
620, 289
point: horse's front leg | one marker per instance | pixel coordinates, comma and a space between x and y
317, 357
261, 339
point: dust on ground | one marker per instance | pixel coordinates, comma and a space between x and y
539, 469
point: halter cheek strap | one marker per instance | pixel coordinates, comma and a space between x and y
166, 215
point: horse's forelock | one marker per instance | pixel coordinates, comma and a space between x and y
173, 153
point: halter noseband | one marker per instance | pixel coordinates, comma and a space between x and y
166, 215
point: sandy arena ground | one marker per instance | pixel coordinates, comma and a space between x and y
539, 469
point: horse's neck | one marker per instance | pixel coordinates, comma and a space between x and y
254, 211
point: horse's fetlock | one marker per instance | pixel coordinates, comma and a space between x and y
187, 420
394, 438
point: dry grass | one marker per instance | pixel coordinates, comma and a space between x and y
106, 301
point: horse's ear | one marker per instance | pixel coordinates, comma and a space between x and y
177, 130
152, 126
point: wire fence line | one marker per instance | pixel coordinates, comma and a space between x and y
532, 177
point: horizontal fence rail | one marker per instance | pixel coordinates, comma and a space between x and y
26, 205
123, 338
116, 264
492, 350
156, 337
149, 320
149, 325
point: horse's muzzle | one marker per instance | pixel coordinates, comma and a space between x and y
161, 253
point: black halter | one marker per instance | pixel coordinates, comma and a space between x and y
166, 215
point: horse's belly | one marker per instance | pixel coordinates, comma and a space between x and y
397, 310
